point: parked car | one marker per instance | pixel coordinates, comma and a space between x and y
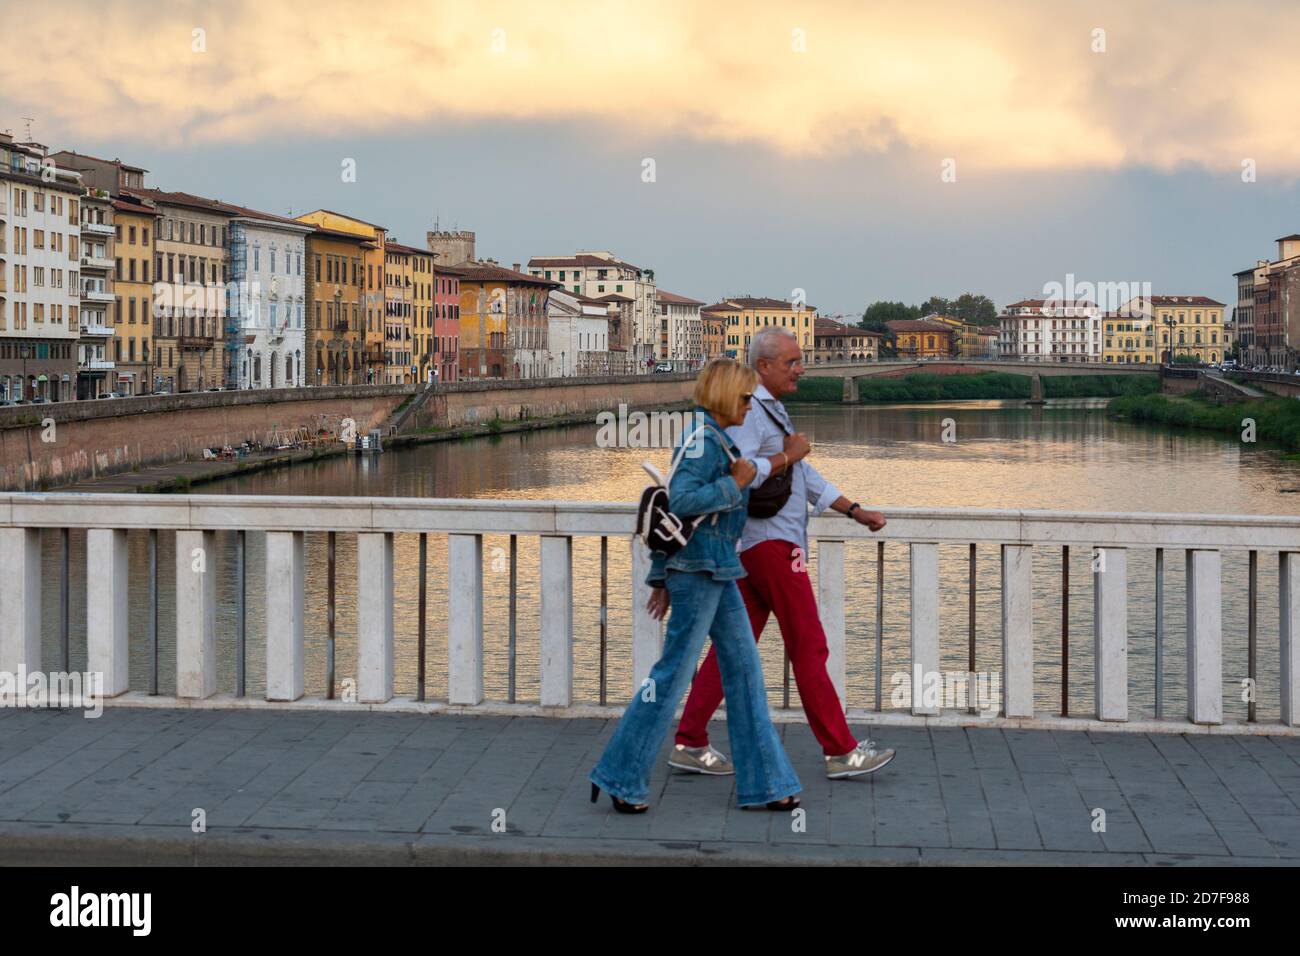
664, 367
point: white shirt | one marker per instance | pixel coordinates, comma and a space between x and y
759, 438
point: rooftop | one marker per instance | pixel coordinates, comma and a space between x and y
738, 303
674, 299
584, 259
490, 271
97, 159
917, 325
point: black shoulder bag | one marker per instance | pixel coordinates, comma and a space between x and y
770, 497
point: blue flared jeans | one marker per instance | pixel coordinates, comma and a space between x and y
701, 607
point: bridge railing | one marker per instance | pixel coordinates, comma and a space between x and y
1109, 538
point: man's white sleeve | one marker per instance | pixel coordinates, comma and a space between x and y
821, 493
748, 437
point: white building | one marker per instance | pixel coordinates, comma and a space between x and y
267, 298
40, 275
577, 335
95, 327
1051, 330
600, 274
681, 331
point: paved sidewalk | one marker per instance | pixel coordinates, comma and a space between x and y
294, 787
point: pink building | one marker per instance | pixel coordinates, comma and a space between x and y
445, 354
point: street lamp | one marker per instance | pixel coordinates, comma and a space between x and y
1169, 324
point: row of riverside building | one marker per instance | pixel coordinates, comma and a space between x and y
112, 286
108, 285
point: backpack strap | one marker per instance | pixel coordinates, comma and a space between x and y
677, 456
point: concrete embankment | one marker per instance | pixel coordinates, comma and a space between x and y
68, 444
181, 476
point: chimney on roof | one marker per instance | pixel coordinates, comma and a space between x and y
515, 267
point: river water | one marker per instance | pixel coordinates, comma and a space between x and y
1065, 456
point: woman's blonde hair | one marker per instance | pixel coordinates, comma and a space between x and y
720, 385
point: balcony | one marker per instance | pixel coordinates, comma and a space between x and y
96, 295
97, 262
99, 365
97, 228
195, 342
96, 330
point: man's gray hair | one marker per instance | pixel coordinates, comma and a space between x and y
766, 342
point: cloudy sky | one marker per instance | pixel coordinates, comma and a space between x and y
855, 150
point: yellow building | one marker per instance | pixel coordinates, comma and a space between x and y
373, 303
1189, 325
408, 314
133, 344
746, 315
334, 290
192, 259
970, 339
1127, 337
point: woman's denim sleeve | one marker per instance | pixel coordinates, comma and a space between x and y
658, 571
696, 488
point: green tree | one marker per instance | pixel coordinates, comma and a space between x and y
976, 309
876, 317
878, 313
936, 304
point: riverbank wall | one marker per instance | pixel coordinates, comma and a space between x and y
52, 446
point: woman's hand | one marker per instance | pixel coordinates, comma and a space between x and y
743, 470
658, 603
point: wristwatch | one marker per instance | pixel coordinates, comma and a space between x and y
852, 508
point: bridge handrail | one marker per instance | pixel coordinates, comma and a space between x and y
492, 516
375, 521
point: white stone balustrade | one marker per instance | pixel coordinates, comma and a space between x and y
1111, 538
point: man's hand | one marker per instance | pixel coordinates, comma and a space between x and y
743, 470
796, 446
658, 603
874, 520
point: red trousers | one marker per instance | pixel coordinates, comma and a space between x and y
773, 585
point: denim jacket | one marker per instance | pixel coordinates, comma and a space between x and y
702, 485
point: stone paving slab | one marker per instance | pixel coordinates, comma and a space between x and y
395, 789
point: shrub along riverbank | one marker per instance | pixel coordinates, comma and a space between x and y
928, 387
1276, 419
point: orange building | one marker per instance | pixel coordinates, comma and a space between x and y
333, 292
503, 321
373, 290
715, 333
921, 338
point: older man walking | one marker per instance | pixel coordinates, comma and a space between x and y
774, 551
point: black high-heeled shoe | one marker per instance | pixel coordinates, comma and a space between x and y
786, 803
622, 806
